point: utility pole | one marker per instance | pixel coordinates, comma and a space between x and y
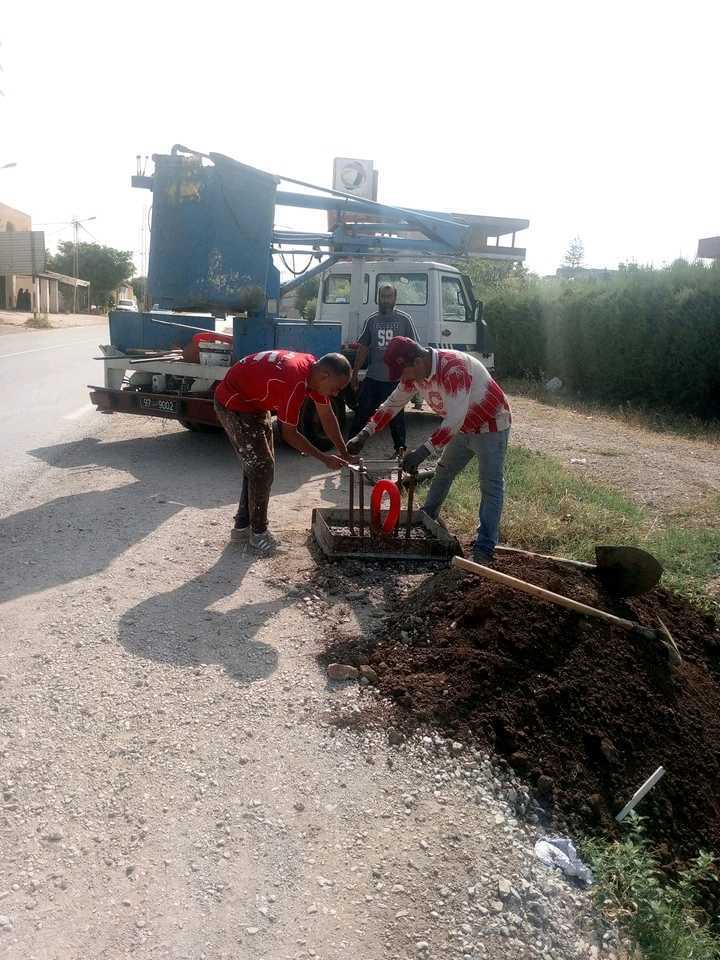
76, 224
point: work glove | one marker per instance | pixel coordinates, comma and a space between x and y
358, 441
412, 461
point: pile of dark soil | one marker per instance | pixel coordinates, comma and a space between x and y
582, 711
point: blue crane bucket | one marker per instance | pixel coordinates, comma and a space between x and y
212, 228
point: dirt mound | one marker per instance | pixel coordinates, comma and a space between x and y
584, 711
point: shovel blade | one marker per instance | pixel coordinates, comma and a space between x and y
627, 571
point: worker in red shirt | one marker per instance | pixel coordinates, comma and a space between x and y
278, 380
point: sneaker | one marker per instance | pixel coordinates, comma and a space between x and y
264, 543
437, 520
483, 558
239, 534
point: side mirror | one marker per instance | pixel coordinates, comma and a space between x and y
478, 311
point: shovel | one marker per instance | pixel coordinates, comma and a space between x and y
662, 634
624, 571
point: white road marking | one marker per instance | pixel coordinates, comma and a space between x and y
57, 346
80, 412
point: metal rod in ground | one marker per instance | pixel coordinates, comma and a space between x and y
351, 505
396, 531
361, 484
639, 794
411, 495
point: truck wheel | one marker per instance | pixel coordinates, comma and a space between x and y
198, 427
311, 428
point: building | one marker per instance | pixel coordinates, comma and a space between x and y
709, 248
22, 267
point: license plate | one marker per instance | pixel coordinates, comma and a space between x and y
165, 404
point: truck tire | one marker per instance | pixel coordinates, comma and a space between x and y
310, 426
198, 427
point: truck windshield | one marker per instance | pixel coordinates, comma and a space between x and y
454, 304
411, 287
337, 288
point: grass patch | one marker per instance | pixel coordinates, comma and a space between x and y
662, 916
551, 509
39, 321
657, 420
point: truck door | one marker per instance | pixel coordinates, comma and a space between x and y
457, 327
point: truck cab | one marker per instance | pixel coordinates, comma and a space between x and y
437, 296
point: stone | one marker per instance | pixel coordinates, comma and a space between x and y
312, 908
54, 836
6, 923
252, 930
394, 736
369, 674
342, 671
504, 888
140, 924
299, 806
496, 906
422, 947
456, 747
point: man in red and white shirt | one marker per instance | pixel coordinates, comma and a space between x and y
476, 423
279, 381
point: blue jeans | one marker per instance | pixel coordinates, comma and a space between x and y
489, 448
372, 394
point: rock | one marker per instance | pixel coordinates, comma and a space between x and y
342, 671
252, 930
140, 924
545, 786
504, 889
369, 674
299, 806
312, 908
54, 836
422, 947
394, 736
554, 385
496, 906
456, 747
6, 923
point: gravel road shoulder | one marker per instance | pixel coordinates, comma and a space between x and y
174, 779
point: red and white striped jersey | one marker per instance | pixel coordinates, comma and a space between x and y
460, 390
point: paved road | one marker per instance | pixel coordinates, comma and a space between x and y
44, 377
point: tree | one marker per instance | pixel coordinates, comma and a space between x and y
139, 285
305, 294
489, 276
575, 254
105, 267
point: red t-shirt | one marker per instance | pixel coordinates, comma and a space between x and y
271, 380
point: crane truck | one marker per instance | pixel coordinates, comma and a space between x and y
213, 246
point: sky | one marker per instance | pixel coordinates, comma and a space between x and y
590, 119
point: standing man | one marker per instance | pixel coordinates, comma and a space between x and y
476, 423
278, 380
378, 384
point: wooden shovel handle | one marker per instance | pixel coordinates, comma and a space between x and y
580, 564
489, 574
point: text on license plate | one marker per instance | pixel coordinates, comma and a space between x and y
159, 403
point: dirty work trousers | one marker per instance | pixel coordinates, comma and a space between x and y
251, 437
372, 393
490, 449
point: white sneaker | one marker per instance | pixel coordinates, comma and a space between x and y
240, 535
264, 543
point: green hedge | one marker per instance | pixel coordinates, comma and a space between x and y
650, 337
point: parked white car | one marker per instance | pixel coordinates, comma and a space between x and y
127, 305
